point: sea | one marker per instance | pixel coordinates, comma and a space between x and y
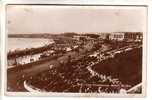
23, 43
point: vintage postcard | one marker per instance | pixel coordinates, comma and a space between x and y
76, 50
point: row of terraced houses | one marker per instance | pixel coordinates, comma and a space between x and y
121, 36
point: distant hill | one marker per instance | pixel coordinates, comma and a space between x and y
40, 35
45, 35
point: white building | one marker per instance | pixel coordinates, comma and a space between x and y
117, 36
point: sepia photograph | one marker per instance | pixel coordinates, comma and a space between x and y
76, 49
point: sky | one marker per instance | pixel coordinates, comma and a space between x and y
30, 19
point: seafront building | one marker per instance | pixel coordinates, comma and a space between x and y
122, 36
119, 36
133, 36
